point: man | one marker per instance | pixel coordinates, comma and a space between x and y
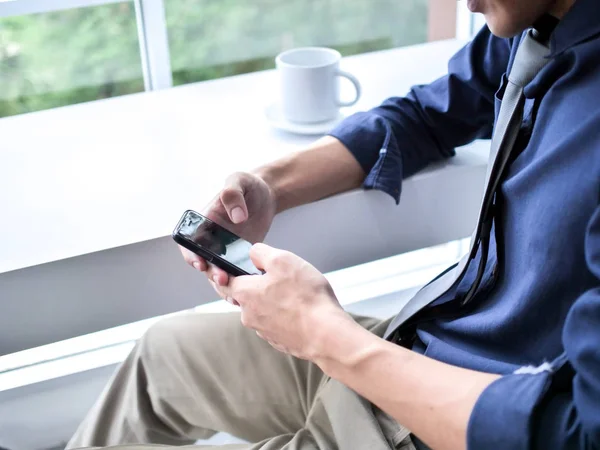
517, 368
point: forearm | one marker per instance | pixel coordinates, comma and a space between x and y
432, 399
325, 168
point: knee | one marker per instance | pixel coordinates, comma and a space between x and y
160, 338
161, 351
166, 337
171, 339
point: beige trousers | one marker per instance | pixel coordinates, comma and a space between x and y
193, 375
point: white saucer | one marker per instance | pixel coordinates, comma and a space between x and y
276, 119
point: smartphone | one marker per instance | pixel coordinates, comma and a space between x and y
215, 244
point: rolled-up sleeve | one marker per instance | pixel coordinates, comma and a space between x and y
556, 406
405, 134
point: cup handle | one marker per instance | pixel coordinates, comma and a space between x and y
355, 82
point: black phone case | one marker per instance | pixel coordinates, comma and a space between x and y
209, 256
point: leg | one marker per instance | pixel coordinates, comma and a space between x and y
195, 374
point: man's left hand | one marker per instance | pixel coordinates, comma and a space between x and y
291, 306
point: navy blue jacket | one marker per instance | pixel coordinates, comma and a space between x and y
536, 317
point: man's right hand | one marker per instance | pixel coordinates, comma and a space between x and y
248, 202
246, 206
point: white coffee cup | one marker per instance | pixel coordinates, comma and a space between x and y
310, 88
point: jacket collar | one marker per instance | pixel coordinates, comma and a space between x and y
580, 23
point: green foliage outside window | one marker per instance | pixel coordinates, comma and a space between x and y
65, 57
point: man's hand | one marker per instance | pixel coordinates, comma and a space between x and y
248, 202
246, 206
291, 306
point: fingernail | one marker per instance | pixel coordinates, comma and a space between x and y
237, 214
196, 265
229, 300
216, 279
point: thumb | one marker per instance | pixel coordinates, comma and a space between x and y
232, 197
261, 254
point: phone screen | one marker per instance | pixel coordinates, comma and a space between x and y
213, 237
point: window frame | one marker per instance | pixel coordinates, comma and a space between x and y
154, 44
465, 22
151, 27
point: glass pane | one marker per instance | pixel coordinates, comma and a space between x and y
217, 38
70, 56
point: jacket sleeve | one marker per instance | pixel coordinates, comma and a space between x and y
556, 406
403, 135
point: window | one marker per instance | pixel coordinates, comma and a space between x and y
216, 38
60, 52
63, 57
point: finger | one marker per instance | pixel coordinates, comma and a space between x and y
224, 295
232, 197
261, 255
243, 288
193, 260
217, 275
